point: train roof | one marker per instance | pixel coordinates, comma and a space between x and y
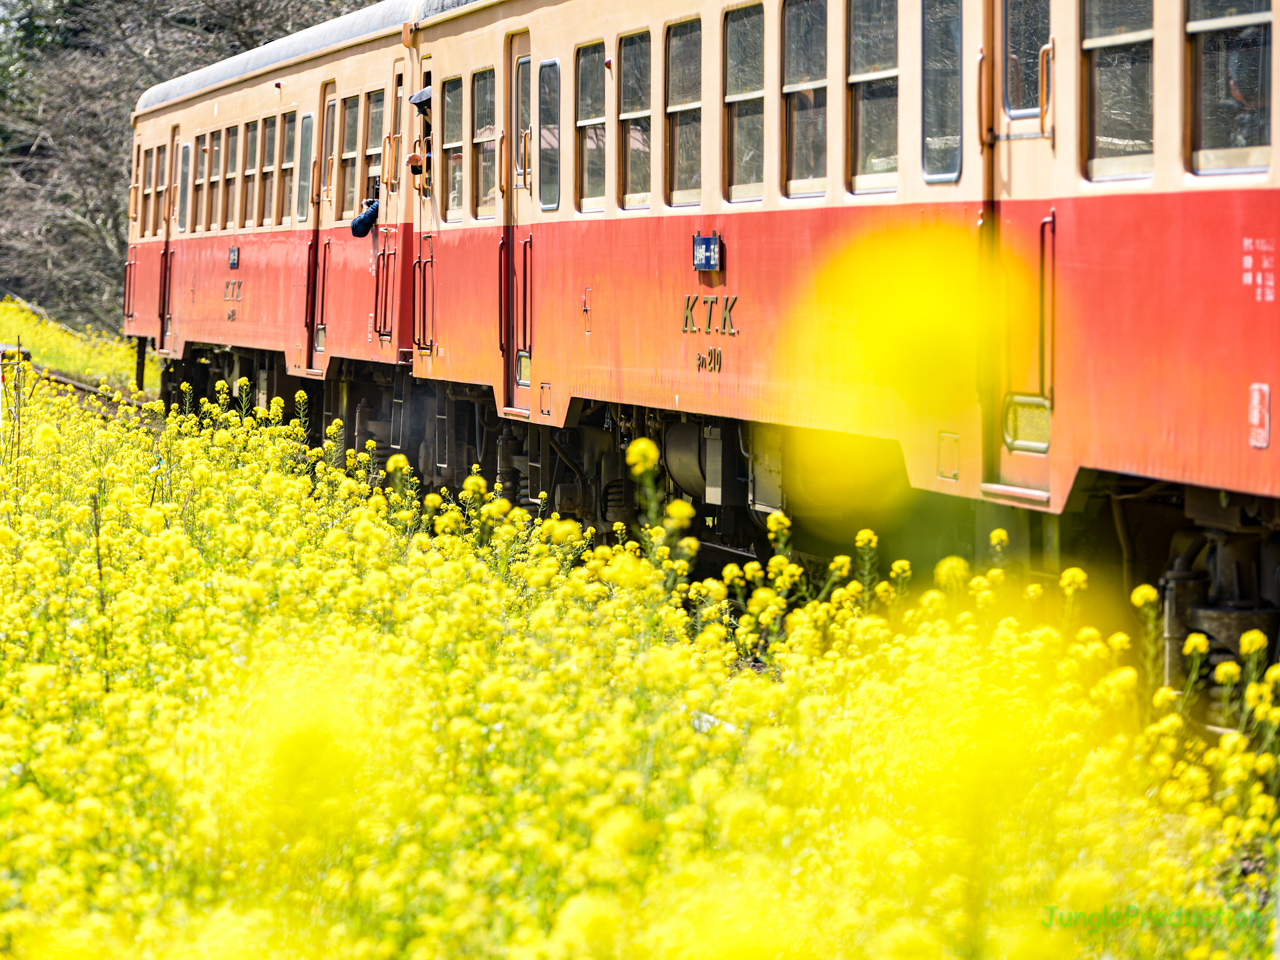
370, 21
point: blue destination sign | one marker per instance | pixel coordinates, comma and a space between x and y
706, 252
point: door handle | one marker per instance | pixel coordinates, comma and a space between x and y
1048, 319
328, 181
1046, 54
528, 160
502, 339
981, 112
502, 163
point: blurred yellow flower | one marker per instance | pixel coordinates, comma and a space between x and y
1228, 672
1143, 595
642, 456
999, 537
1253, 641
1196, 643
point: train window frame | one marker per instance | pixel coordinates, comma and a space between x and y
287, 165
793, 94
484, 147
328, 140
372, 154
549, 184
862, 80
945, 176
451, 151
147, 174
1134, 166
159, 213
1212, 161
1009, 57
522, 165
248, 181
230, 194
183, 179
201, 158
734, 101
267, 171
348, 156
589, 128
424, 144
684, 112
636, 124
306, 146
395, 134
213, 209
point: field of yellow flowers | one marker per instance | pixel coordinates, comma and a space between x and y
259, 700
90, 357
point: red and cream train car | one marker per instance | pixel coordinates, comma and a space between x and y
1005, 262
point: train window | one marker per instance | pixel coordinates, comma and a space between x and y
1026, 30
1232, 85
268, 173
184, 174
591, 136
744, 100
197, 194
873, 81
684, 112
549, 135
326, 158
250, 166
229, 178
288, 131
426, 145
451, 148
941, 90
213, 212
304, 167
804, 88
373, 131
349, 150
148, 160
635, 83
397, 119
484, 146
1117, 51
524, 120
158, 213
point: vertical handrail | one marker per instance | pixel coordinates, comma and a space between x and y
526, 297
430, 282
417, 301
309, 320
1046, 52
502, 339
1047, 316
379, 278
984, 133
323, 293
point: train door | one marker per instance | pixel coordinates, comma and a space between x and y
166, 178
326, 215
387, 268
308, 220
424, 288
516, 249
1023, 156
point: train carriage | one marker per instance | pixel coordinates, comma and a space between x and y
1004, 262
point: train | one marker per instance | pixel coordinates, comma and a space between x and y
937, 266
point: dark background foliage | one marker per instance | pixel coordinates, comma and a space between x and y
71, 72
